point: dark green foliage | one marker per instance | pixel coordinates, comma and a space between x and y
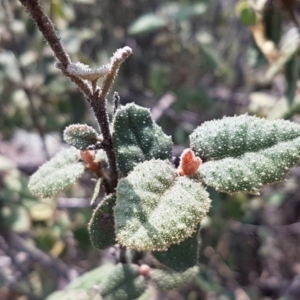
246, 13
182, 256
137, 138
102, 225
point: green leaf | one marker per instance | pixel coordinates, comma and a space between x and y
102, 225
81, 136
180, 257
246, 13
111, 282
137, 138
246, 152
167, 280
57, 174
156, 208
147, 23
187, 12
234, 136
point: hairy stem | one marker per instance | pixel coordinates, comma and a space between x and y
95, 96
118, 58
99, 108
47, 29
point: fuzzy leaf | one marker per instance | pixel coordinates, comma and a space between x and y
80, 136
167, 280
156, 208
180, 257
137, 138
102, 225
111, 282
57, 174
246, 152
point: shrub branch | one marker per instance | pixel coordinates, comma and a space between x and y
95, 96
46, 27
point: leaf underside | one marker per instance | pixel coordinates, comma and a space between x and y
137, 138
57, 174
245, 153
102, 225
81, 136
156, 208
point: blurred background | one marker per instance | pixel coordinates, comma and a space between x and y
193, 61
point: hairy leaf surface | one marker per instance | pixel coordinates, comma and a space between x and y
137, 138
246, 152
157, 208
81, 136
57, 174
167, 280
182, 256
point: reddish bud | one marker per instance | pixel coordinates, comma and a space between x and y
189, 163
144, 270
88, 156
